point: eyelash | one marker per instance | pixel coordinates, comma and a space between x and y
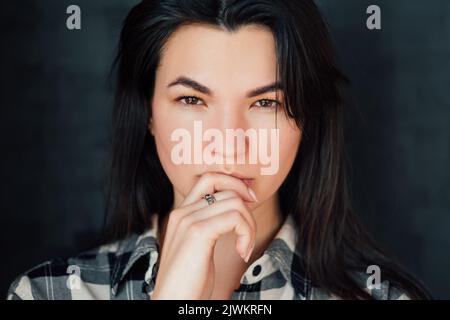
276, 102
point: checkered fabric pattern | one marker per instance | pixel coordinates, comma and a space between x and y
127, 269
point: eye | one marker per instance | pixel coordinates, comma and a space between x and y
189, 100
268, 104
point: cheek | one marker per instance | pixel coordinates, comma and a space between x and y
290, 139
162, 131
164, 124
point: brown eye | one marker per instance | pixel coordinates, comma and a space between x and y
189, 100
268, 104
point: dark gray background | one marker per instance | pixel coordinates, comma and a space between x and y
56, 104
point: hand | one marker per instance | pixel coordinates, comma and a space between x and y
186, 269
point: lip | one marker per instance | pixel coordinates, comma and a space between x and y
247, 180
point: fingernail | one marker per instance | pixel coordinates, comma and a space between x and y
249, 253
240, 247
253, 194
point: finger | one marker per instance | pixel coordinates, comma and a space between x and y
179, 214
234, 203
219, 196
213, 227
212, 182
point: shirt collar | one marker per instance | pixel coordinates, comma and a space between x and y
282, 251
281, 255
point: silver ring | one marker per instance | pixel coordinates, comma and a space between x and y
210, 199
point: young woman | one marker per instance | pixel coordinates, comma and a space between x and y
187, 220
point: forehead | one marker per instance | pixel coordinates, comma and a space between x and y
242, 59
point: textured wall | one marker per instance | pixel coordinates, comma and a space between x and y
56, 103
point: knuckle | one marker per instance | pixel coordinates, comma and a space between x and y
235, 201
238, 203
231, 194
241, 208
184, 222
195, 229
175, 216
208, 176
235, 215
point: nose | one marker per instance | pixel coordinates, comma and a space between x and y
232, 123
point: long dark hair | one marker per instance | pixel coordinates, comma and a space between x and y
316, 193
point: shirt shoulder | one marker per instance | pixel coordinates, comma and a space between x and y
85, 275
379, 290
383, 290
99, 273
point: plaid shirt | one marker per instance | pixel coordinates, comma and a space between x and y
126, 269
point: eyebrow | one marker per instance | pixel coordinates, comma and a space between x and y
188, 82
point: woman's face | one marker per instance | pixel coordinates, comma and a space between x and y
217, 72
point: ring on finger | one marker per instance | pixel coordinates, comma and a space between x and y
209, 198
